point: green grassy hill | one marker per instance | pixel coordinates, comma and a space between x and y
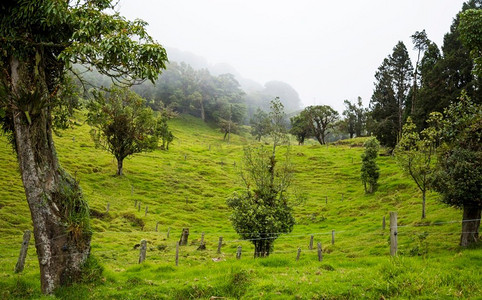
187, 186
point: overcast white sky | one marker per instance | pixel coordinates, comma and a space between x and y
327, 50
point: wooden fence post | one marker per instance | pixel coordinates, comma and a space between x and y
320, 255
220, 244
298, 255
184, 236
393, 233
157, 225
342, 194
168, 231
139, 207
142, 254
23, 252
107, 208
146, 211
238, 253
311, 242
383, 223
326, 199
201, 245
333, 236
177, 254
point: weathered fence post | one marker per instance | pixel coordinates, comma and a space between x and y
107, 208
320, 255
185, 156
23, 252
393, 233
201, 245
157, 225
342, 194
238, 253
147, 208
298, 255
383, 223
220, 244
184, 236
168, 231
333, 236
177, 254
135, 204
142, 254
139, 207
326, 199
311, 242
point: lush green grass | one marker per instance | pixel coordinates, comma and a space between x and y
187, 186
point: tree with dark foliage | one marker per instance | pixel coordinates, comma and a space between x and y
458, 175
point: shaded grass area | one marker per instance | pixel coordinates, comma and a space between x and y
187, 186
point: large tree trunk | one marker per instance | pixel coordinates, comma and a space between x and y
54, 198
470, 225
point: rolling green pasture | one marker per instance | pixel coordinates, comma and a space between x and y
187, 187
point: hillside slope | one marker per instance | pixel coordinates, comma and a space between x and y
187, 187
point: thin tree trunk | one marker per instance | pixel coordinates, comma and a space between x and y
120, 164
203, 114
470, 225
52, 195
414, 96
423, 204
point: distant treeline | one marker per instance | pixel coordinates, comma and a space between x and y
216, 99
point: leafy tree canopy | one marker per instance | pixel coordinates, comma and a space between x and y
122, 124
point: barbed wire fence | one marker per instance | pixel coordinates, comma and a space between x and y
410, 239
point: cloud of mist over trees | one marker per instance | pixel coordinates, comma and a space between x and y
257, 94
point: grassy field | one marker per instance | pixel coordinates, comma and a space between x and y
188, 185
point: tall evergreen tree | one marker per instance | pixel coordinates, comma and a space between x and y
389, 98
457, 65
431, 87
420, 43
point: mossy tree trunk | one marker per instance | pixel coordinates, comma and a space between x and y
59, 214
